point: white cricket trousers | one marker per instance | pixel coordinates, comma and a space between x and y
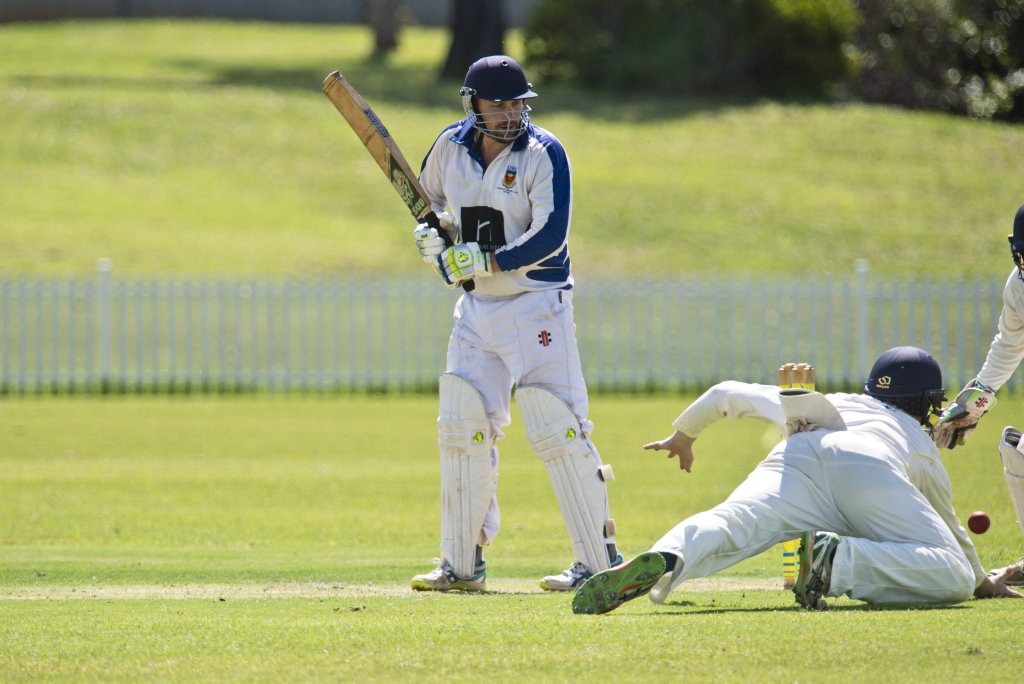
894, 547
529, 339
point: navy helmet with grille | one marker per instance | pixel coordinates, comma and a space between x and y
909, 379
1016, 239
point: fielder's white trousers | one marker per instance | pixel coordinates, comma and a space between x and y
894, 546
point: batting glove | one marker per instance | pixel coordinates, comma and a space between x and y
429, 242
463, 262
959, 419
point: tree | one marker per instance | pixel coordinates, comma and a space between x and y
382, 15
478, 30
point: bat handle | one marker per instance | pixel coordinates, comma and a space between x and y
432, 220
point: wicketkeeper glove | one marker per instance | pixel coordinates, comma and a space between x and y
959, 419
463, 262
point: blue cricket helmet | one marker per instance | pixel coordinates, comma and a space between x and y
1016, 239
909, 379
496, 78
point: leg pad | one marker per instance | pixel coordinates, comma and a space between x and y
575, 470
468, 478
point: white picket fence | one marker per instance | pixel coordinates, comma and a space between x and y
107, 333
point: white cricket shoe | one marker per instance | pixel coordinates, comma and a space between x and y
573, 577
443, 578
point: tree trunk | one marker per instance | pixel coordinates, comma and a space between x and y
382, 15
478, 30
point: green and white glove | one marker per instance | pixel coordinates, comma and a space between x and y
463, 262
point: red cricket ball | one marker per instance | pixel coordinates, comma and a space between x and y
978, 522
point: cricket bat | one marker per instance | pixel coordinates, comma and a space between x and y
384, 150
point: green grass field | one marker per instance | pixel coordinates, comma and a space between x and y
207, 147
273, 539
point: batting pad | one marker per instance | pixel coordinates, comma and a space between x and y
1013, 470
556, 438
468, 478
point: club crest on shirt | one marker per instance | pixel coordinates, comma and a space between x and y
508, 181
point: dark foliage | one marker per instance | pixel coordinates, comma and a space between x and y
692, 47
958, 56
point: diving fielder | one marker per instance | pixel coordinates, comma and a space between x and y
978, 397
858, 479
502, 188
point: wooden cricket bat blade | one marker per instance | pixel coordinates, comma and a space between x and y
384, 150
378, 142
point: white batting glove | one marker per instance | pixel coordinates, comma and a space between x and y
463, 262
960, 418
447, 221
428, 241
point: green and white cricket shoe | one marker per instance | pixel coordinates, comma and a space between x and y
443, 578
609, 589
816, 552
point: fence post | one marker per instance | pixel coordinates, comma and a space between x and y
104, 266
861, 267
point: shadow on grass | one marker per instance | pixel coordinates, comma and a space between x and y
842, 608
378, 81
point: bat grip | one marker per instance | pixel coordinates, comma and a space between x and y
435, 223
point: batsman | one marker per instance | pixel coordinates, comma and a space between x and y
502, 188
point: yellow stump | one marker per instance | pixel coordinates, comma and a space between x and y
790, 563
793, 375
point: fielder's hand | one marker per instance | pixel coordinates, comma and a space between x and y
959, 419
994, 587
678, 445
463, 262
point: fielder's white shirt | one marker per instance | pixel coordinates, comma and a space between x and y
519, 206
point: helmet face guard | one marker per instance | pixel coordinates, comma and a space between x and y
1016, 240
497, 78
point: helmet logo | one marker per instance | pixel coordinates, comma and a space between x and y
884, 382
